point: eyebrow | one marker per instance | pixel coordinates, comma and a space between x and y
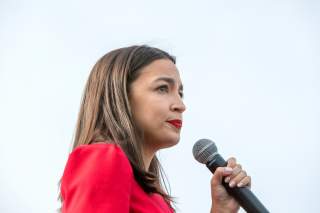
170, 81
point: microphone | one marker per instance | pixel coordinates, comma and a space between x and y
206, 152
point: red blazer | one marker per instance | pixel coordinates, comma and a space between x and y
98, 178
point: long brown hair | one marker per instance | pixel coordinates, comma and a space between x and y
105, 112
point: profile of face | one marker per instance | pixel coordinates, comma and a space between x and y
157, 105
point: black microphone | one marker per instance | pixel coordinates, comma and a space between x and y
206, 152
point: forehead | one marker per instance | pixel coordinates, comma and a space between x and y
160, 68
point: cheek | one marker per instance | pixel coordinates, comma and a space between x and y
150, 112
153, 117
155, 114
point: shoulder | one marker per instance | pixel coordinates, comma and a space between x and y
98, 162
99, 151
97, 178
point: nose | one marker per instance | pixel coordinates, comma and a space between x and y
178, 105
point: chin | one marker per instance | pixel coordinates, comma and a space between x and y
170, 141
165, 139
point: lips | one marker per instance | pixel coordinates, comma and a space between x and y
176, 123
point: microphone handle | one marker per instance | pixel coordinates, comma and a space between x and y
247, 200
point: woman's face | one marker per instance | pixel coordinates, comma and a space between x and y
156, 102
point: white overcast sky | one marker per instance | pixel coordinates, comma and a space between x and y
252, 84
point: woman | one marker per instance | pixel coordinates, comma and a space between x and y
132, 107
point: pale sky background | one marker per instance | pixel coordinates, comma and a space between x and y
252, 84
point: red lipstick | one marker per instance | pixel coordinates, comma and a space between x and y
177, 123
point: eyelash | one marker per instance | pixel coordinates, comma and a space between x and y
160, 89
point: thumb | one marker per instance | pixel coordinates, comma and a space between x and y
219, 174
218, 191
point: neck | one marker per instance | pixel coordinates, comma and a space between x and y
148, 155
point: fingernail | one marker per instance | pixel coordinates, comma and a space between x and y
227, 179
232, 183
240, 184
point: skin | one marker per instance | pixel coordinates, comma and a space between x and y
156, 97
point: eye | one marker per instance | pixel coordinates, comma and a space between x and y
163, 89
181, 94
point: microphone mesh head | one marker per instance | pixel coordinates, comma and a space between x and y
204, 150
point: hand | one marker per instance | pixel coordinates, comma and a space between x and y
236, 177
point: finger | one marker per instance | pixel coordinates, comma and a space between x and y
232, 162
219, 174
235, 172
235, 180
245, 182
